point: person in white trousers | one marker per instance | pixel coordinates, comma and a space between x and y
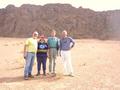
66, 43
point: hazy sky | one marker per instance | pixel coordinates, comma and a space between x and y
98, 5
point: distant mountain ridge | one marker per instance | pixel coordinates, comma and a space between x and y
79, 22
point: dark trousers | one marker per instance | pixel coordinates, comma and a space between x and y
41, 60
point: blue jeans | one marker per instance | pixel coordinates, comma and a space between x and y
29, 63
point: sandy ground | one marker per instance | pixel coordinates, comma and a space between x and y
96, 66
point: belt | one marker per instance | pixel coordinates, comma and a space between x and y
41, 50
32, 52
53, 47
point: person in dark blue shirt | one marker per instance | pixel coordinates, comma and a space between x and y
42, 55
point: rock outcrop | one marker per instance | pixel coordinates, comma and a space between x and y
79, 22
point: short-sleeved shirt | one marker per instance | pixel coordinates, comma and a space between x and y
31, 45
42, 48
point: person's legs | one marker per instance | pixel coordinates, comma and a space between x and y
40, 62
31, 64
38, 65
64, 62
27, 64
69, 64
54, 65
50, 64
44, 64
54, 59
50, 60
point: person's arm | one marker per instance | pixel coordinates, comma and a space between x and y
48, 53
72, 42
60, 47
25, 51
58, 44
47, 49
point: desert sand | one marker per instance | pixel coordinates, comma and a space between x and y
96, 66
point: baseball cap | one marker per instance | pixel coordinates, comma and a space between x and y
35, 32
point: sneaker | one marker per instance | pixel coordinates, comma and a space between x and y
53, 73
37, 74
31, 76
71, 75
44, 72
25, 78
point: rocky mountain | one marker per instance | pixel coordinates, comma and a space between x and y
79, 22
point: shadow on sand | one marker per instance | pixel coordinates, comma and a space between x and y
47, 78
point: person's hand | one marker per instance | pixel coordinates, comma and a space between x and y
59, 53
25, 54
71, 45
48, 55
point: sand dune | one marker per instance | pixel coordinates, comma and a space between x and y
95, 62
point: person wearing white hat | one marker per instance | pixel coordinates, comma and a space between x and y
30, 49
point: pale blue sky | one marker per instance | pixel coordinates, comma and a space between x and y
97, 5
